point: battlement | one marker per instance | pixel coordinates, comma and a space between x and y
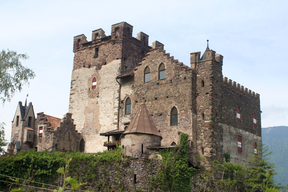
209, 54
98, 34
157, 44
119, 31
239, 88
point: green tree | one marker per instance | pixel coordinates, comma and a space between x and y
174, 173
13, 75
259, 172
2, 138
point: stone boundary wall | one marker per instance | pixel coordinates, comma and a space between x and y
133, 175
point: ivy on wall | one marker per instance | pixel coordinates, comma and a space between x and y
174, 173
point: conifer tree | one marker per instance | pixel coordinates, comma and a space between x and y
259, 172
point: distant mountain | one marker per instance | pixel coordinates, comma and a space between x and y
276, 138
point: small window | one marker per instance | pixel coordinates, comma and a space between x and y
128, 106
40, 131
238, 116
174, 116
96, 36
239, 144
202, 83
78, 44
94, 83
96, 52
202, 116
135, 181
17, 121
254, 120
29, 121
161, 71
255, 149
147, 75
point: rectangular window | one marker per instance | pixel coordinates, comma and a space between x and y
40, 131
162, 75
30, 122
128, 109
174, 119
17, 121
147, 77
239, 144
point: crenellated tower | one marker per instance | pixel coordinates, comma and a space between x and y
209, 83
94, 93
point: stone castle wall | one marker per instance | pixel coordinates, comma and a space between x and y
234, 96
160, 96
96, 110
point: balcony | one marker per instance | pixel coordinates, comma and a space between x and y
112, 143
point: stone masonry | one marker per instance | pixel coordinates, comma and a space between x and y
114, 74
206, 104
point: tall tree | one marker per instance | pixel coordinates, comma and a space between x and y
13, 75
259, 172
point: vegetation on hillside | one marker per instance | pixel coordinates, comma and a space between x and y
42, 166
174, 174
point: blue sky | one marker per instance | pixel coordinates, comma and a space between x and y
251, 35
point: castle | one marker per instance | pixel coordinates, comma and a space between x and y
123, 88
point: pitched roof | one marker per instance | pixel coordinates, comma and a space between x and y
24, 109
54, 121
128, 74
142, 123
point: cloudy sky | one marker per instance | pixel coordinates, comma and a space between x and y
251, 35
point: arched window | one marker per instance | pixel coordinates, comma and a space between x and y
161, 71
255, 149
94, 83
147, 75
174, 116
128, 106
254, 120
238, 116
82, 145
202, 83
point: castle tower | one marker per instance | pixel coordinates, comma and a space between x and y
209, 83
94, 93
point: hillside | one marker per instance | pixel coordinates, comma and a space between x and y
276, 139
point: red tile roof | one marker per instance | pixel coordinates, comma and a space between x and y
54, 121
142, 123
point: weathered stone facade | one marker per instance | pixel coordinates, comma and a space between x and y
204, 102
23, 129
113, 75
54, 134
44, 133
